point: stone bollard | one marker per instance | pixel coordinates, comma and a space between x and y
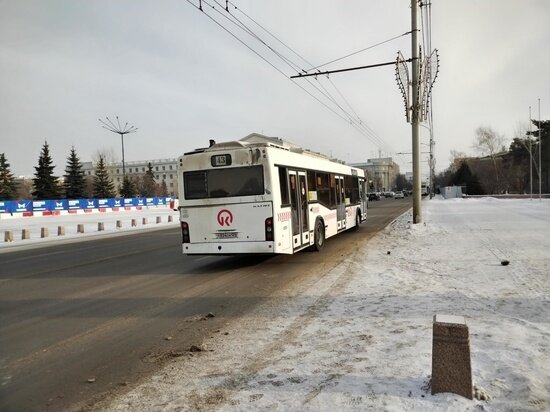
451, 364
134, 222
158, 219
80, 228
8, 236
144, 221
25, 234
170, 218
119, 224
100, 226
60, 230
44, 232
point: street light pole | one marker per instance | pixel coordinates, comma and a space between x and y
118, 129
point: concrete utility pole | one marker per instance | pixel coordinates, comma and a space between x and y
415, 118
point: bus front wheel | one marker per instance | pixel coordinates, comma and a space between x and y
319, 235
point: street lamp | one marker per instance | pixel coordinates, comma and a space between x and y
110, 126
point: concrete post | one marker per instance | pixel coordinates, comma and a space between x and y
451, 364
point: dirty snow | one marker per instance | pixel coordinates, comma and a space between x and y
360, 338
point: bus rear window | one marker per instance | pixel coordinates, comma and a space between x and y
227, 182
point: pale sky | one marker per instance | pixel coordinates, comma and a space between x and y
167, 69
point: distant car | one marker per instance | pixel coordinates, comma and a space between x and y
399, 195
374, 196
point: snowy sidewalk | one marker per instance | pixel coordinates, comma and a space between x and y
360, 339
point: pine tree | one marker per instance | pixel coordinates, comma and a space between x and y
74, 184
149, 187
103, 184
45, 183
128, 188
163, 189
8, 186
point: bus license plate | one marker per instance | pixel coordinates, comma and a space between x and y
226, 235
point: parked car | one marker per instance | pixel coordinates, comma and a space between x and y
399, 195
374, 196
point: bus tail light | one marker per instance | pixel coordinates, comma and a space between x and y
185, 232
269, 229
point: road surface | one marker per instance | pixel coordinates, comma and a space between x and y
83, 321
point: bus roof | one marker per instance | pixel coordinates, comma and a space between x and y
259, 140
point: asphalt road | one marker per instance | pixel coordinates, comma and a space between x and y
83, 321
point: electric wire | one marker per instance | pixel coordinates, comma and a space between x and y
358, 51
359, 125
289, 62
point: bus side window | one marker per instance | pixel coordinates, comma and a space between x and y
333, 193
283, 185
323, 189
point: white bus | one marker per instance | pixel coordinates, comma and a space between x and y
264, 195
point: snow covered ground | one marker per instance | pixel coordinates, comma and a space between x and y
89, 220
361, 338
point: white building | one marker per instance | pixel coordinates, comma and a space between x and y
381, 173
165, 170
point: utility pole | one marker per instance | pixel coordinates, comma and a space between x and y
415, 118
530, 158
540, 158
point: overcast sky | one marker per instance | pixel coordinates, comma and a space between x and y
170, 71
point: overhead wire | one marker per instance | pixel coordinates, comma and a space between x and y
356, 122
327, 93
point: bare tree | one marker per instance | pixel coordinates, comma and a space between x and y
489, 143
456, 159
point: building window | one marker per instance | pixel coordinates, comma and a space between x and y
171, 176
117, 171
170, 167
172, 184
163, 167
157, 169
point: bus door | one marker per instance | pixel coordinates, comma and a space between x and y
340, 203
362, 196
298, 202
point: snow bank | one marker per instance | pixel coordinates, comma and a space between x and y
90, 222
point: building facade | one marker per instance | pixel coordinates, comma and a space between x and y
165, 170
381, 173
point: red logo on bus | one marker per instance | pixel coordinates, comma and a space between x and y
225, 217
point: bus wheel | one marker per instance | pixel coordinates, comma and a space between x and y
357, 220
319, 235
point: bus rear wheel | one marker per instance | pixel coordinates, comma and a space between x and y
357, 219
319, 235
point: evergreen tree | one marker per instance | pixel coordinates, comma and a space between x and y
163, 189
128, 188
149, 187
45, 183
8, 186
465, 177
74, 184
103, 184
